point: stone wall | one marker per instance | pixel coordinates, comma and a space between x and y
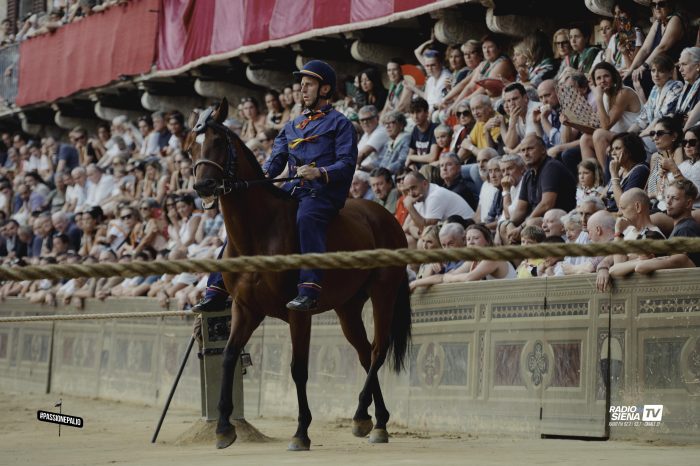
523, 357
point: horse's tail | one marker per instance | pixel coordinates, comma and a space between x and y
400, 337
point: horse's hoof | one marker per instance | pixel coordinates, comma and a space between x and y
379, 436
298, 444
225, 439
361, 427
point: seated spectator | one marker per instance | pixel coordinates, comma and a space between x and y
374, 139
451, 176
150, 145
552, 223
182, 180
130, 224
103, 286
487, 129
546, 185
520, 115
153, 228
188, 220
372, 88
480, 236
393, 155
436, 84
76, 193
360, 188
495, 65
689, 102
422, 147
473, 56
267, 140
528, 267
680, 196
627, 167
154, 183
56, 198
562, 50
210, 234
590, 180
488, 191
275, 118
166, 289
533, 60
618, 108
63, 225
573, 228
668, 35
10, 243
254, 121
429, 239
667, 136
457, 66
385, 194
464, 126
452, 235
545, 116
99, 185
93, 231
627, 38
583, 53
399, 97
176, 127
428, 204
513, 168
662, 100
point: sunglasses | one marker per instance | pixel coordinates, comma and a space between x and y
126, 217
144, 207
659, 5
689, 142
654, 134
464, 113
562, 43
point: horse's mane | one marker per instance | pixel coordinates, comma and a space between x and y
253, 162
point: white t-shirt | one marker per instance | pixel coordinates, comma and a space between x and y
440, 203
96, 193
377, 139
691, 171
435, 88
77, 193
528, 126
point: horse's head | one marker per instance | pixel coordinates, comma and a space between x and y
215, 164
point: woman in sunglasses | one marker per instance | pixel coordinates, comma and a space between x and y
667, 35
627, 38
689, 168
130, 227
153, 231
666, 134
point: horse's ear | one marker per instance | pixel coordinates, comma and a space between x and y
222, 111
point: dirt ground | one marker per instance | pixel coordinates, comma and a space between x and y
120, 433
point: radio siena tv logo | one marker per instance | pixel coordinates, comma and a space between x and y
636, 416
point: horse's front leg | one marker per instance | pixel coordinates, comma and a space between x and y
300, 330
243, 324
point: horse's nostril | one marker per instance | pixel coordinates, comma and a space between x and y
205, 186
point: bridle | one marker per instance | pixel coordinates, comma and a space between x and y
228, 171
228, 180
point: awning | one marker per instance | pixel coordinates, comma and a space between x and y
193, 32
92, 52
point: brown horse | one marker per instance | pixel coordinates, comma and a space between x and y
261, 220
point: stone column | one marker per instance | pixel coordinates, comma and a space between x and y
168, 103
270, 79
378, 54
518, 26
600, 7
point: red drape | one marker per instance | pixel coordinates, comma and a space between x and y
89, 53
229, 25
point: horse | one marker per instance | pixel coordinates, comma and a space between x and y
260, 219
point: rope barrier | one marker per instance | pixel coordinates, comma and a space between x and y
125, 315
349, 259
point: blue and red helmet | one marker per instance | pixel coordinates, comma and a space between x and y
319, 70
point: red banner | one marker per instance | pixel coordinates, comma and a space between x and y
192, 30
89, 53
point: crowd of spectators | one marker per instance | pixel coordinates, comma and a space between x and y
482, 154
60, 12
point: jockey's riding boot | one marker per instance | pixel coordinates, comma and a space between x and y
211, 304
302, 303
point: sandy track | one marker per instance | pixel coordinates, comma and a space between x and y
120, 433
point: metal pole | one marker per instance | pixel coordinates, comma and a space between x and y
172, 390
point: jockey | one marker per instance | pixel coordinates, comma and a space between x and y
320, 148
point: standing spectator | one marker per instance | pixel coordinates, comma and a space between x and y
385, 194
399, 97
393, 156
374, 139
